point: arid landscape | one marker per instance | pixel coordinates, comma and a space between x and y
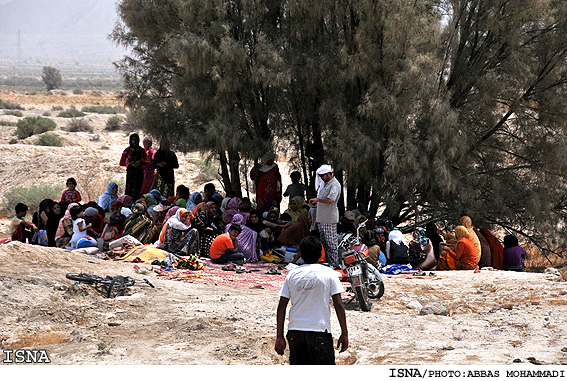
491, 317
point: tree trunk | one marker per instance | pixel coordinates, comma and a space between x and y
341, 204
224, 172
234, 166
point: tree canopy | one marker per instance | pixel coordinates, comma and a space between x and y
427, 110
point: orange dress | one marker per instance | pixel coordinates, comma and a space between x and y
463, 258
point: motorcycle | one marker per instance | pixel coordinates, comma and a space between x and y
365, 279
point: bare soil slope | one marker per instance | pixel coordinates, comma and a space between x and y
493, 317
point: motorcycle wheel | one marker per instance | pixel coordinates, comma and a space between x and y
378, 292
362, 296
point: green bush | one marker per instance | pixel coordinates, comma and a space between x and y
114, 123
71, 113
10, 105
17, 113
79, 125
100, 109
33, 125
49, 140
31, 196
7, 123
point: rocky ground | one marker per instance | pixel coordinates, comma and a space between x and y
491, 317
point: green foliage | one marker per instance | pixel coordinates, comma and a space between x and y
6, 123
31, 196
52, 78
79, 125
71, 113
48, 139
100, 109
7, 105
114, 123
33, 125
17, 113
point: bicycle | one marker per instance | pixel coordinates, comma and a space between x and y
115, 286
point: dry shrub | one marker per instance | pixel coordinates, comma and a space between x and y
92, 184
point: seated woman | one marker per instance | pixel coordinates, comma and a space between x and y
204, 222
106, 199
195, 199
126, 202
514, 254
295, 208
247, 239
93, 218
397, 250
292, 235
224, 247
273, 227
182, 196
467, 223
139, 224
245, 206
53, 219
421, 251
65, 228
178, 236
114, 224
232, 208
375, 256
463, 257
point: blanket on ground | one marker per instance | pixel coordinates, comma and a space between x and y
255, 277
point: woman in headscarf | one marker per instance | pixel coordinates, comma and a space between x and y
463, 257
292, 236
53, 218
134, 158
195, 199
514, 254
208, 230
138, 224
178, 236
202, 206
295, 208
268, 183
247, 239
149, 170
126, 202
39, 218
106, 199
467, 223
397, 250
255, 221
92, 216
433, 236
232, 208
65, 228
496, 249
115, 226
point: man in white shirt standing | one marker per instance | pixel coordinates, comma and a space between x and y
327, 217
310, 288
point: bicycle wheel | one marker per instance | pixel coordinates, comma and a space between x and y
116, 287
83, 277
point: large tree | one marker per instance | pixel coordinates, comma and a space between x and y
427, 110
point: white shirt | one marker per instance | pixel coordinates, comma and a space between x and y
310, 287
77, 234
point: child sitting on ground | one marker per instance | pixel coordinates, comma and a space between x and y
79, 227
19, 228
71, 194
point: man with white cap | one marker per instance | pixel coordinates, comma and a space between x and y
328, 192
